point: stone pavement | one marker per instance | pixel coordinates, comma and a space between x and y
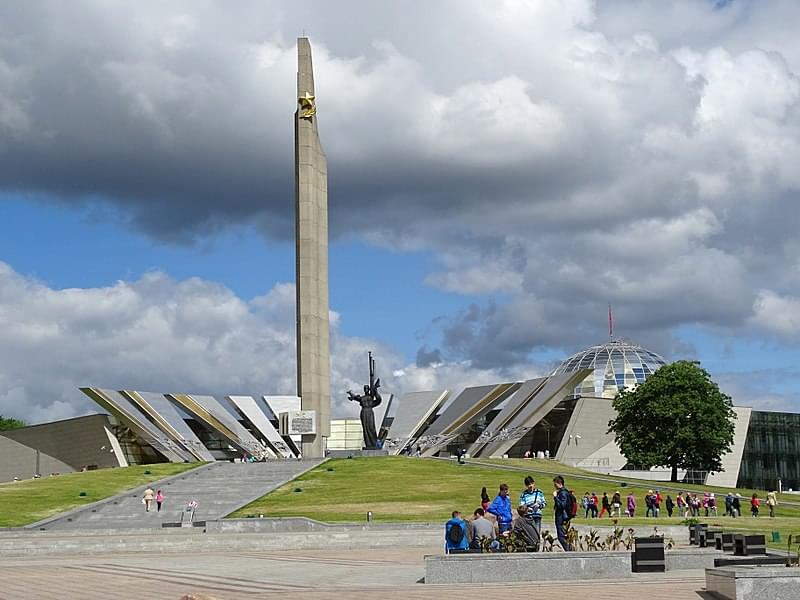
325, 574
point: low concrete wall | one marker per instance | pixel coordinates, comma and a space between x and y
190, 540
686, 559
753, 583
534, 566
297, 524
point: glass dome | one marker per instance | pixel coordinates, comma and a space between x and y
617, 364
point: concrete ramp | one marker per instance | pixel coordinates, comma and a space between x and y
219, 489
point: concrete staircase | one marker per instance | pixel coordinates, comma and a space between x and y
218, 489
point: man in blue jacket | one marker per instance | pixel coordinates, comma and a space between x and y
533, 498
455, 533
501, 509
562, 513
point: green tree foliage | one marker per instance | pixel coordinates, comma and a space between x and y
677, 418
9, 423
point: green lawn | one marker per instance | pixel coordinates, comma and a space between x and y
31, 500
550, 466
398, 489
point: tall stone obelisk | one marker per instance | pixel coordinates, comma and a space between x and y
311, 222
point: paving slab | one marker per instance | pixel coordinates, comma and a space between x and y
384, 573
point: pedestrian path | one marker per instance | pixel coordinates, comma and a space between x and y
359, 573
218, 490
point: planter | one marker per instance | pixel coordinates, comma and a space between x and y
694, 532
749, 545
648, 555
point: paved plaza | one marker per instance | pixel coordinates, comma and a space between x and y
334, 574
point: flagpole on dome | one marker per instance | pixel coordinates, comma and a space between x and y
610, 322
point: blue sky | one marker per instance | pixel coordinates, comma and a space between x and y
93, 246
489, 196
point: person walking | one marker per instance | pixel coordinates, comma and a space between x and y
736, 505
712, 504
670, 505
562, 512
533, 498
595, 504
681, 504
606, 505
772, 502
159, 500
616, 504
728, 504
501, 508
147, 499
648, 502
754, 504
587, 505
631, 502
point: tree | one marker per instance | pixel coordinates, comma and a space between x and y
676, 418
9, 423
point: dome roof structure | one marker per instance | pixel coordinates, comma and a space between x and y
617, 364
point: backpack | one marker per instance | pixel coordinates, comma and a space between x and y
455, 534
572, 504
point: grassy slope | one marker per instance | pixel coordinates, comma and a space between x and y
404, 489
35, 499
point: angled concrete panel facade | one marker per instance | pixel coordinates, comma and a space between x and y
211, 412
169, 420
556, 388
311, 232
512, 407
129, 414
248, 408
63, 446
381, 411
732, 461
413, 411
586, 442
469, 406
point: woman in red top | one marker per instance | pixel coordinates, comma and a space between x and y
754, 504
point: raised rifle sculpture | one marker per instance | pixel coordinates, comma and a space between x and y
369, 400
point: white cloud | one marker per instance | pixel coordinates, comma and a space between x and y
777, 314
159, 334
565, 154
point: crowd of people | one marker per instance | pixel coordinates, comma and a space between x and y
685, 504
500, 517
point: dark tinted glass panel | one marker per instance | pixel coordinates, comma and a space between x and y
771, 451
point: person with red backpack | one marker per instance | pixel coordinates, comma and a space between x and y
566, 507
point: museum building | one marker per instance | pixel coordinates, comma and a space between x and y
564, 415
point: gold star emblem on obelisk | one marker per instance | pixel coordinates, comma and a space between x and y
307, 107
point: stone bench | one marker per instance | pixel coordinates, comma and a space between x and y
753, 583
526, 566
544, 566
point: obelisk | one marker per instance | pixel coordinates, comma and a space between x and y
311, 234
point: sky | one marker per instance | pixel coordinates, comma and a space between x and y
499, 173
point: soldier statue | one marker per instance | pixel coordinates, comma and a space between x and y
369, 400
